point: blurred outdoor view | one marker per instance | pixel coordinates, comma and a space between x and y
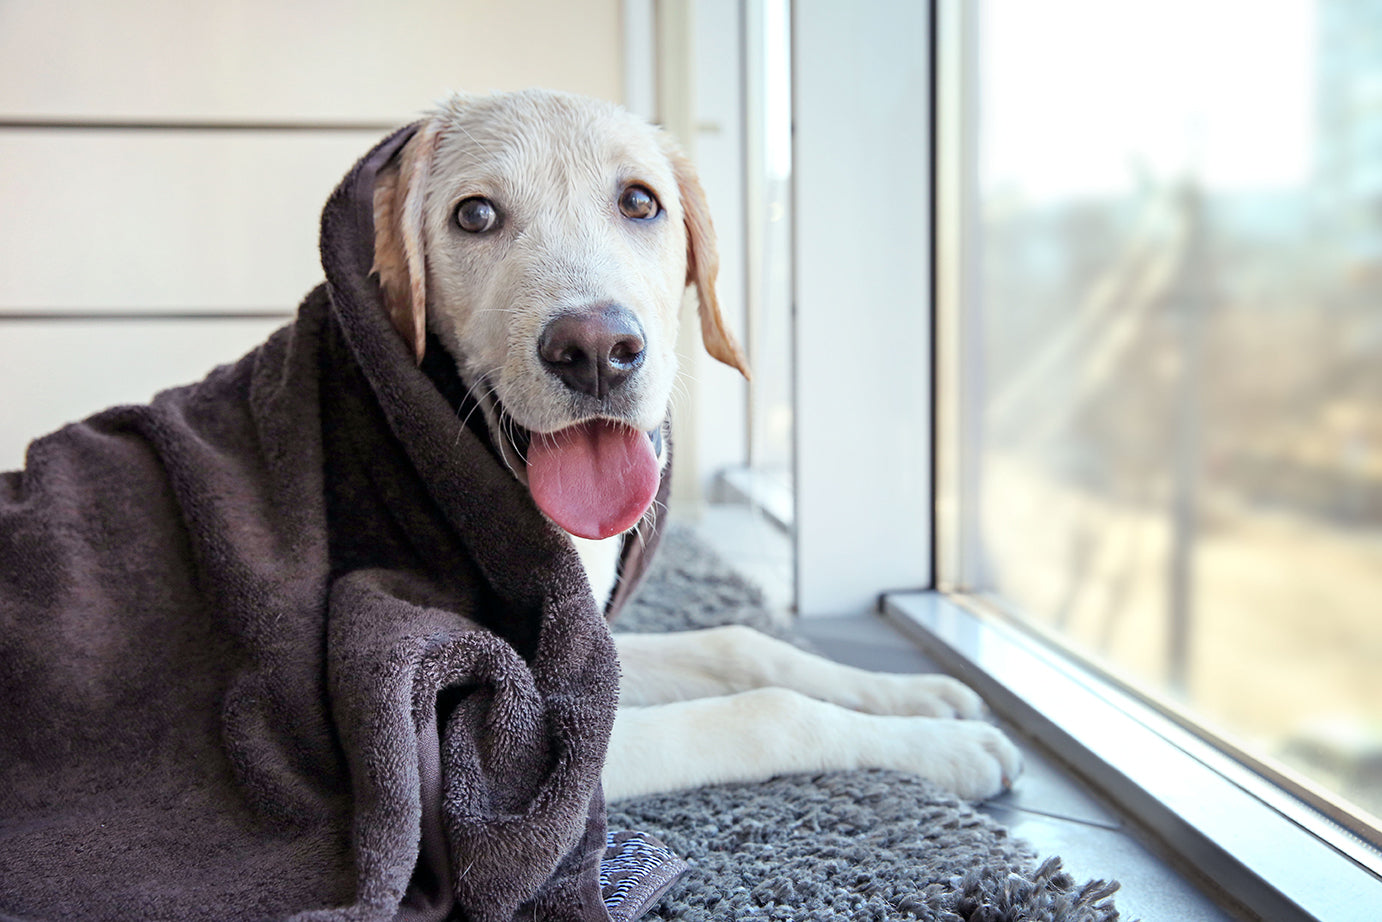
1180, 278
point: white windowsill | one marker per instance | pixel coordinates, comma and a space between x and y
769, 492
1169, 782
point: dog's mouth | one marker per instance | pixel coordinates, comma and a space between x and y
595, 478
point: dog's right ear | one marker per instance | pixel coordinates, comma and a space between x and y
400, 192
703, 262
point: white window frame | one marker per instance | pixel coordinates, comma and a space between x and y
862, 247
861, 88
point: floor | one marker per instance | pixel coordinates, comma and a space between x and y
1048, 808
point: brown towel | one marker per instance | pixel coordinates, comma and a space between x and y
292, 643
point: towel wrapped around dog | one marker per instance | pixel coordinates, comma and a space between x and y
292, 643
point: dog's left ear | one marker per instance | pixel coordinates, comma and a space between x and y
703, 263
399, 195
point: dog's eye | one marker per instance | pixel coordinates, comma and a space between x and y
639, 203
477, 215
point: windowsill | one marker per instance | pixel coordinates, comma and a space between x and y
770, 493
1194, 807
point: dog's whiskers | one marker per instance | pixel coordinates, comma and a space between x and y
478, 146
473, 394
506, 430
680, 389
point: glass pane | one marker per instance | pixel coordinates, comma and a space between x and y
1178, 232
769, 174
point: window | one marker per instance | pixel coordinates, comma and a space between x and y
1167, 257
768, 167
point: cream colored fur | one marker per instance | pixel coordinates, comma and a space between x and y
726, 704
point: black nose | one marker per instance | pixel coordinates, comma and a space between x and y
594, 351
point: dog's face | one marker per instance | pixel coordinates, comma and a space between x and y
548, 240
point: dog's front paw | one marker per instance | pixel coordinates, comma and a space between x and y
971, 758
989, 763
920, 696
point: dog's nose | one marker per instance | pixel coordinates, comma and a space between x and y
593, 352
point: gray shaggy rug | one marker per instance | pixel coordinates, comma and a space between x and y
863, 845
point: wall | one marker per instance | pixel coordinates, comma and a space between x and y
137, 257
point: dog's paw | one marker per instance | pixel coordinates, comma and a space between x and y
989, 763
971, 758
920, 696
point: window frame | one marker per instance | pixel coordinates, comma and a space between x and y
861, 221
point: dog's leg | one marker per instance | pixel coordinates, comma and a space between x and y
662, 668
756, 735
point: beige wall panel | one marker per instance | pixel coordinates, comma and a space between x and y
305, 59
93, 220
55, 372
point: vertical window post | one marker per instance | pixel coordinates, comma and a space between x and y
862, 175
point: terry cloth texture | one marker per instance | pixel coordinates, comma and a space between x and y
839, 847
292, 643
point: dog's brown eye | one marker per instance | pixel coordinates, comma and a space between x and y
638, 202
476, 215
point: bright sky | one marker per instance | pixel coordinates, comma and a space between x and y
1076, 92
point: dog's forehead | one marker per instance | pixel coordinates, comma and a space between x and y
548, 141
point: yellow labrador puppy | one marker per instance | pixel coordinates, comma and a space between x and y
547, 241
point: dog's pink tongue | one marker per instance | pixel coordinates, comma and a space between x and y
595, 479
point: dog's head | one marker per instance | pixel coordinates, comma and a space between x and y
547, 241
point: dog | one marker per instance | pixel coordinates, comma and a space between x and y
547, 241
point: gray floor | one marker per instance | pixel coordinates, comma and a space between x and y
1047, 807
